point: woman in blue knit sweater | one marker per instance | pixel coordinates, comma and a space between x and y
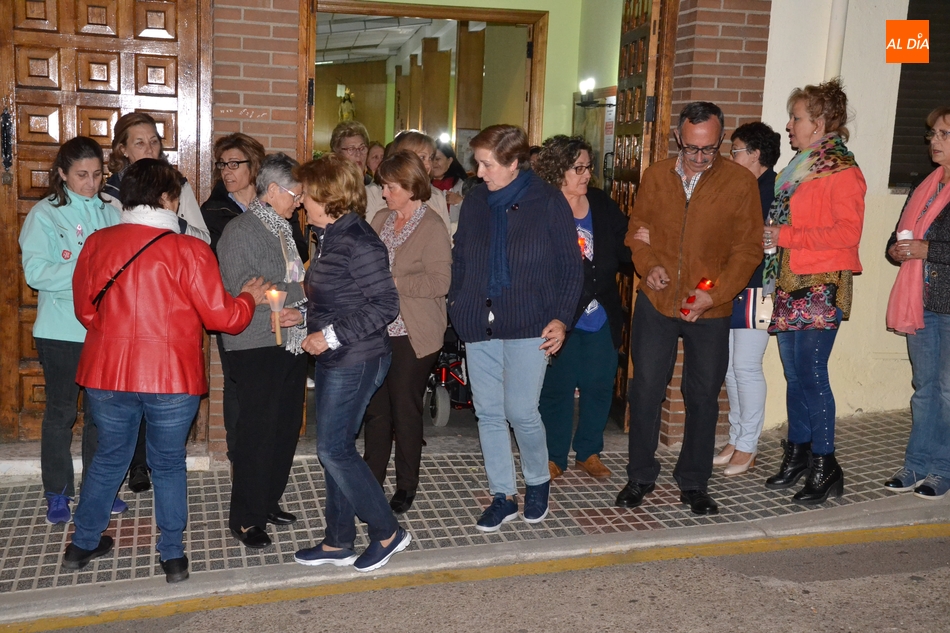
516, 279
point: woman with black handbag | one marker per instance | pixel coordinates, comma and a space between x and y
816, 221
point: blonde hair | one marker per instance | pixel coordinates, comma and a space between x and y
825, 101
335, 183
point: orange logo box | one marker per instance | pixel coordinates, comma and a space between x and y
908, 42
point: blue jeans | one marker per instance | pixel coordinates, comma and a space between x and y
810, 403
507, 376
341, 396
588, 361
928, 450
118, 415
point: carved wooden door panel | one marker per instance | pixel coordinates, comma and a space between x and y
642, 122
73, 67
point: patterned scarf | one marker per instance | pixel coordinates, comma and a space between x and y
294, 270
394, 240
823, 158
280, 227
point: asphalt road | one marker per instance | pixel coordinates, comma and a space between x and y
892, 586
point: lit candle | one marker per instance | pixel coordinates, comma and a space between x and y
705, 285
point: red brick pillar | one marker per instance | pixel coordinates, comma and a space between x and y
255, 91
721, 49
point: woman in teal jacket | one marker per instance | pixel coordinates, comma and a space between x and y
51, 239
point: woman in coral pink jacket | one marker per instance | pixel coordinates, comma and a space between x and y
143, 292
816, 220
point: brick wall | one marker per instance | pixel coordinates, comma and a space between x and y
255, 91
721, 49
255, 71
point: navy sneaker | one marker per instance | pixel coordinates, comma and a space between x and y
57, 508
501, 510
933, 487
119, 506
536, 502
376, 555
904, 480
313, 556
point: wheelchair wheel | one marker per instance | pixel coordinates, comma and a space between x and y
437, 405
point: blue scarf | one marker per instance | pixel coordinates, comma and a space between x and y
499, 202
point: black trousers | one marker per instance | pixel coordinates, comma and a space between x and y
271, 384
395, 414
232, 408
653, 342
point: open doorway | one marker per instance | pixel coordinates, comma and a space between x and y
445, 70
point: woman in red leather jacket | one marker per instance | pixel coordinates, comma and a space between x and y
143, 292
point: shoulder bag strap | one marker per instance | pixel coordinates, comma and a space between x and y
111, 281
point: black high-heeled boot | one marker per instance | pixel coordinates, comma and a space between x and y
824, 479
795, 463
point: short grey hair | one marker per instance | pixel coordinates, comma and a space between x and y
700, 112
279, 169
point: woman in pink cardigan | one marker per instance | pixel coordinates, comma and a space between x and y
420, 258
816, 221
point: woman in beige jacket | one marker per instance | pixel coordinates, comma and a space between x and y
420, 258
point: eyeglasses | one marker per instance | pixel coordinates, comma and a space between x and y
943, 135
297, 196
739, 151
231, 164
692, 150
354, 151
580, 169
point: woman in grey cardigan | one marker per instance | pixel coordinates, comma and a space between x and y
271, 379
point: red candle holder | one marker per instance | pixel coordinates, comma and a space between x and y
705, 285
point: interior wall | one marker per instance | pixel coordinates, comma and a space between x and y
564, 16
869, 368
503, 91
599, 46
367, 81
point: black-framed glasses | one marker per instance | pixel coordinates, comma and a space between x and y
580, 169
692, 150
231, 164
943, 135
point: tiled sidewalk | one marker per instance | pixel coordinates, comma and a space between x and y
451, 496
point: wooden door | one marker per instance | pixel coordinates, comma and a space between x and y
73, 67
642, 123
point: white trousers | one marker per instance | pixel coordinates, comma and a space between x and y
745, 386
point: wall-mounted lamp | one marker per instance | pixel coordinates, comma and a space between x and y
586, 88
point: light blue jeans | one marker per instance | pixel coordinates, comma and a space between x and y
928, 449
746, 388
506, 377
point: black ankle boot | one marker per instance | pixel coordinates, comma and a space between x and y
794, 465
825, 478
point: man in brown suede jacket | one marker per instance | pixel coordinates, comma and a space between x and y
696, 216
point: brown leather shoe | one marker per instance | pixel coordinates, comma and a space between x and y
594, 467
555, 470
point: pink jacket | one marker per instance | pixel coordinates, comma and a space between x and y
827, 220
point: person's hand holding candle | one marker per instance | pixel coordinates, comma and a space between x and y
697, 302
289, 317
276, 300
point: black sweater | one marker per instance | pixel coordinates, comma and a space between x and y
349, 286
937, 266
610, 257
543, 258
